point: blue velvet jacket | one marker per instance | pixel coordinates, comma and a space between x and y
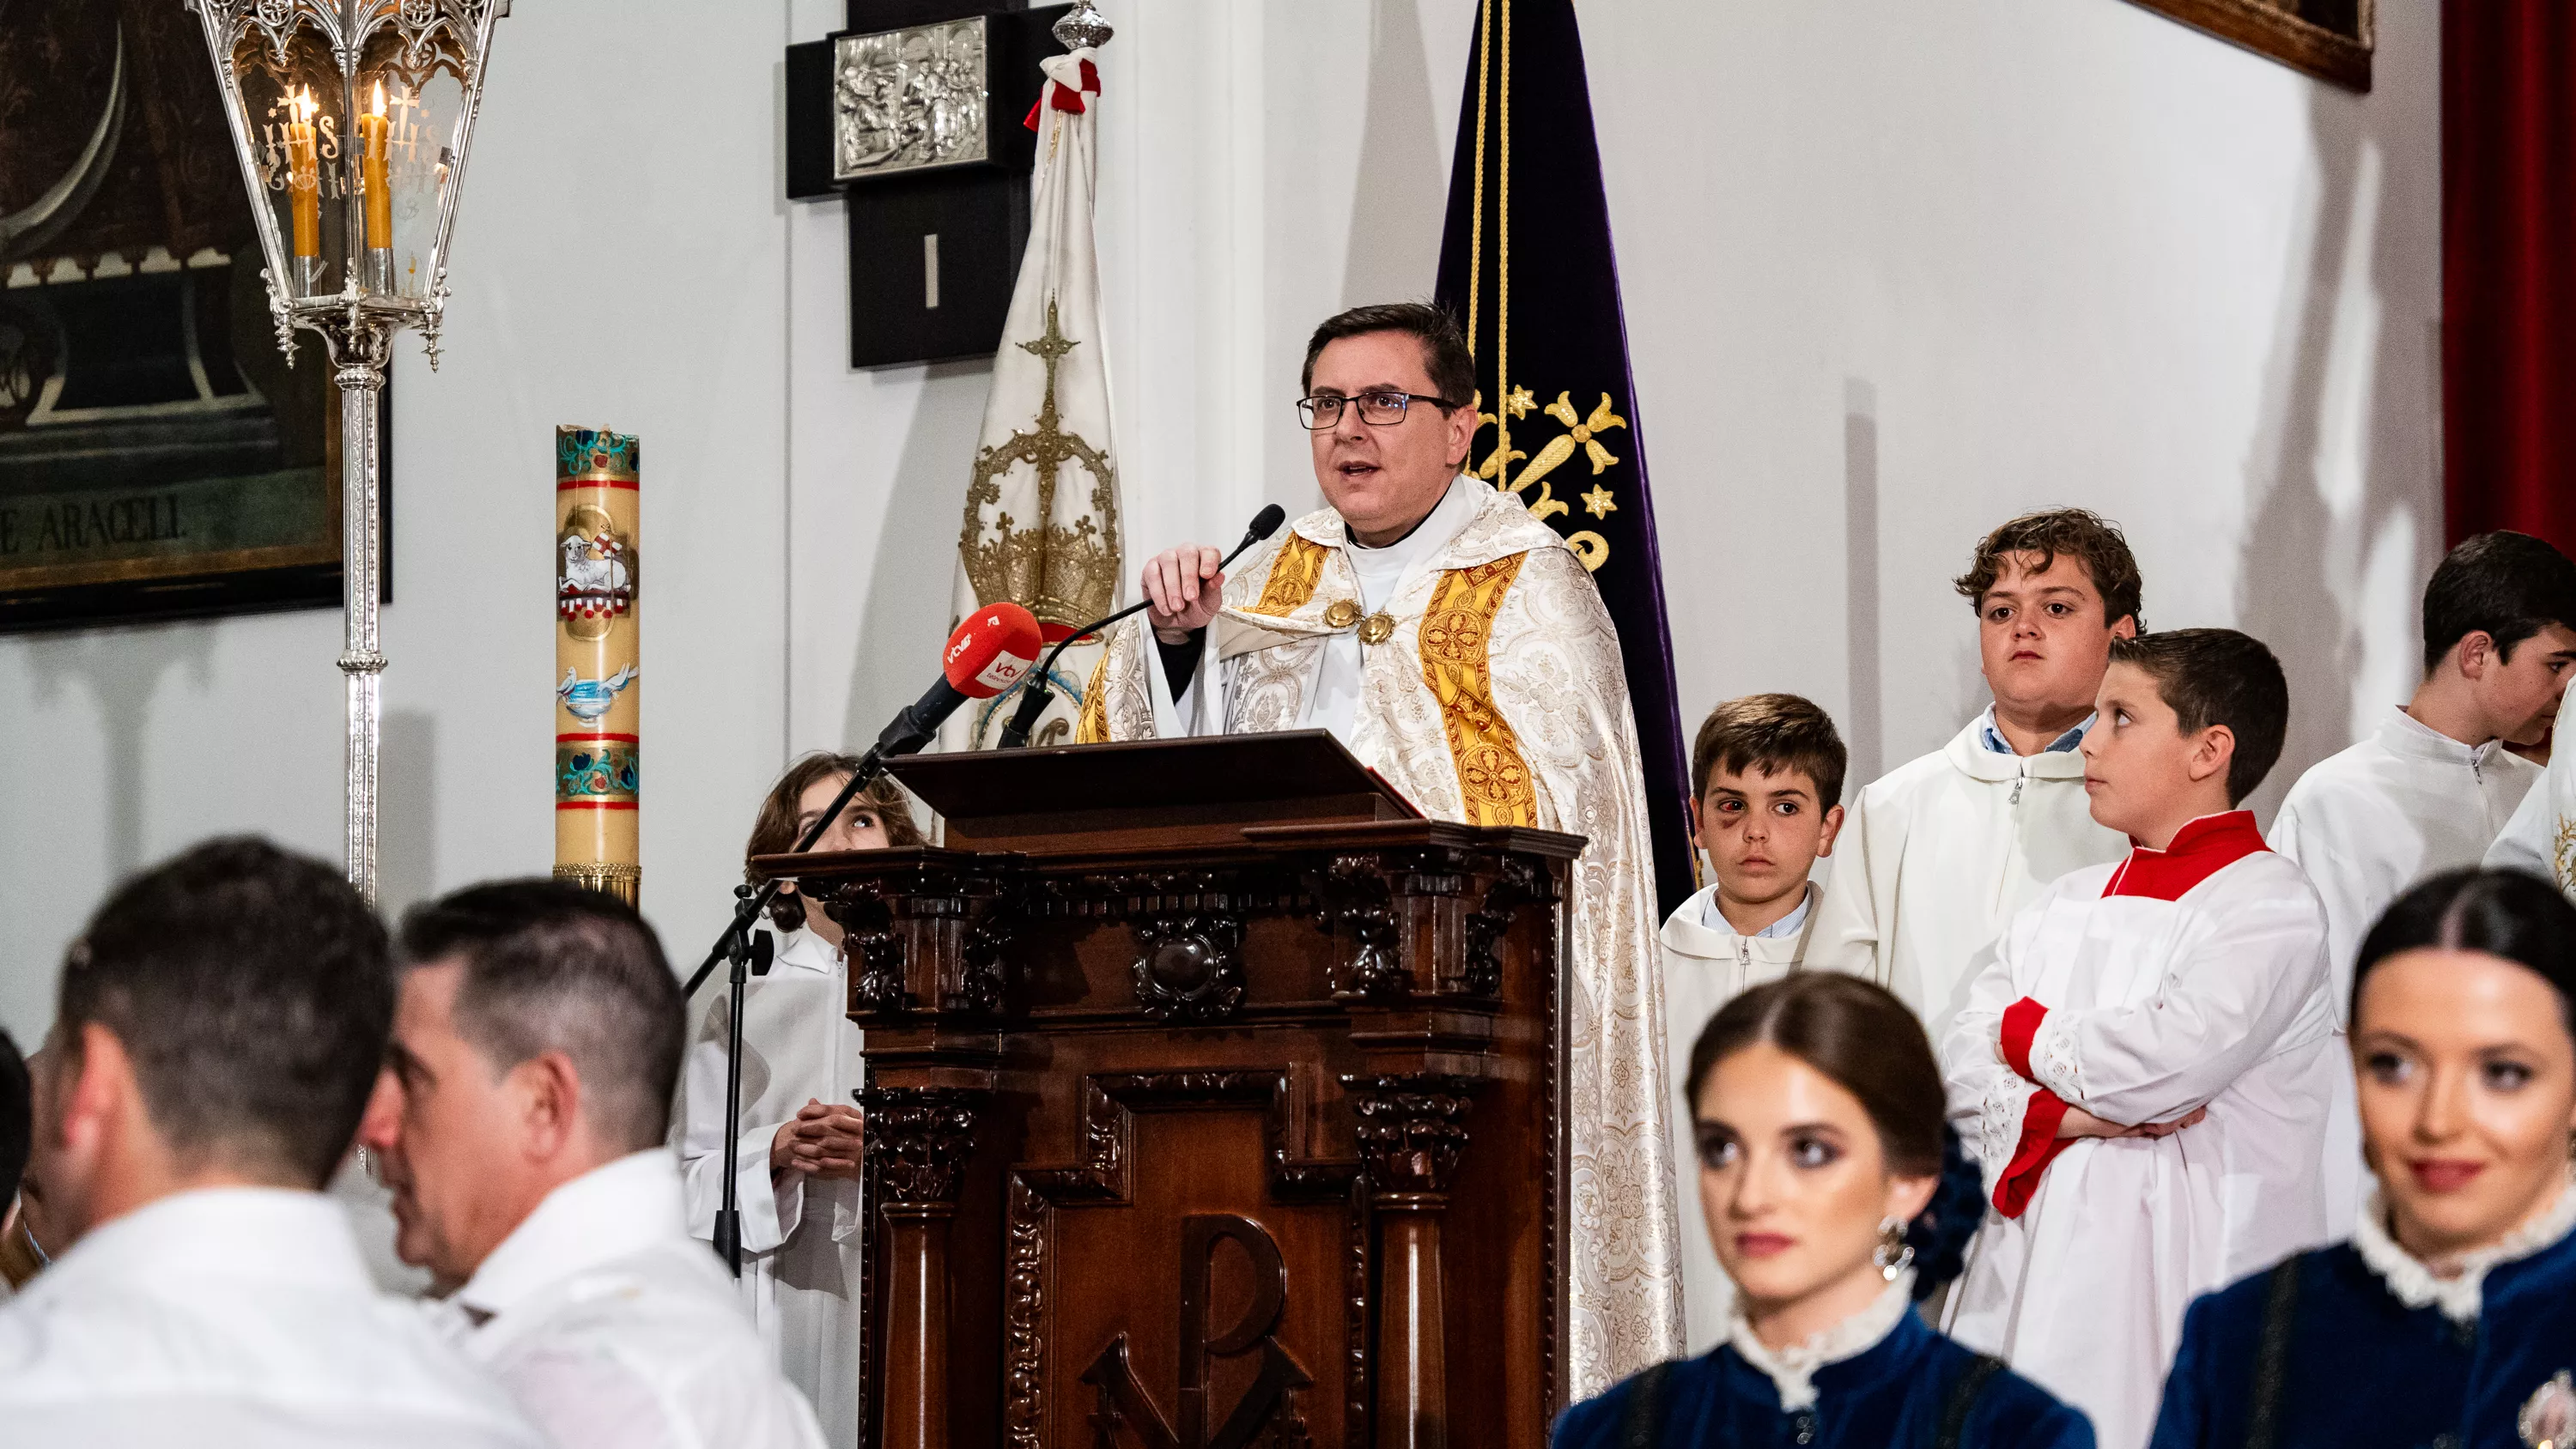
2359, 1369
1890, 1396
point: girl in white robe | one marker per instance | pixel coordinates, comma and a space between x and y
2181, 986
800, 1228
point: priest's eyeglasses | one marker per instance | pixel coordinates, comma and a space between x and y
1378, 409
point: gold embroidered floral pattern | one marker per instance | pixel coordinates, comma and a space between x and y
1457, 629
1293, 576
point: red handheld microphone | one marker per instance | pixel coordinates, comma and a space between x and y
991, 650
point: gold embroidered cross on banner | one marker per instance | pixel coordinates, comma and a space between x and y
1581, 433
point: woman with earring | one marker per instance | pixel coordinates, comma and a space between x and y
1837, 1197
2450, 1317
798, 1162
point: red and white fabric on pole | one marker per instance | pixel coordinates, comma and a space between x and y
1042, 523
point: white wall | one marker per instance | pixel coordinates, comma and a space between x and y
1893, 272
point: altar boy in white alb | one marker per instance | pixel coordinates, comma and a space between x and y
2433, 783
2145, 1066
1940, 852
1766, 799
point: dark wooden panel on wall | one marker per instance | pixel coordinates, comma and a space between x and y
2329, 39
1161, 1136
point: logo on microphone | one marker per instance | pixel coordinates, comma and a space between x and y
1005, 671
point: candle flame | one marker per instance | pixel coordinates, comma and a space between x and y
380, 100
303, 104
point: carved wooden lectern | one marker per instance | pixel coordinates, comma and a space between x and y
1214, 1101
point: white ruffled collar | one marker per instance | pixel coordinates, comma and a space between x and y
2462, 1295
1793, 1369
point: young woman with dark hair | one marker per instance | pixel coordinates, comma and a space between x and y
2450, 1316
799, 1128
1838, 1198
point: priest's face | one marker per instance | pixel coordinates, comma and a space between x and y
2466, 1077
1383, 478
1795, 1185
2042, 637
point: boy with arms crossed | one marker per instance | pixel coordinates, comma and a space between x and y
1766, 799
2144, 1067
2433, 784
1939, 853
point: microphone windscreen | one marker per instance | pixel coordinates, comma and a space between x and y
1267, 521
991, 650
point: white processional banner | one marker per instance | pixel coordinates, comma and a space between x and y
1042, 506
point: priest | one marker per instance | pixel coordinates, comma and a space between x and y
1458, 648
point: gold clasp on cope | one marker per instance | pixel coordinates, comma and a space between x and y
1375, 629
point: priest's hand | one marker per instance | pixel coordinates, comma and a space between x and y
821, 1142
1185, 586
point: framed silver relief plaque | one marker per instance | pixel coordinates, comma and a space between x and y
911, 100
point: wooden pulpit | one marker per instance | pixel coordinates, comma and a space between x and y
1214, 1100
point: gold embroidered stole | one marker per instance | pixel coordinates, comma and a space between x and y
1494, 782
1294, 572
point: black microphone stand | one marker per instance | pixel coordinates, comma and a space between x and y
1035, 695
749, 951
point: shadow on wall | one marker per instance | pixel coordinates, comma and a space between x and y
1396, 221
122, 670
2304, 554
911, 587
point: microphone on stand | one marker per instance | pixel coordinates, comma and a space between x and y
1033, 700
988, 653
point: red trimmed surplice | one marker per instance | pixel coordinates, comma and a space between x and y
2198, 851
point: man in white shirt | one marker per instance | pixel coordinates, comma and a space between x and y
1939, 853
537, 1044
2432, 785
218, 1033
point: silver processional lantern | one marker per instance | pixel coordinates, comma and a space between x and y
351, 119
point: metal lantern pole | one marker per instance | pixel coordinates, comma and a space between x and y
352, 121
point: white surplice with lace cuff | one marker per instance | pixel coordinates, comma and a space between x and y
1793, 1369
2459, 1294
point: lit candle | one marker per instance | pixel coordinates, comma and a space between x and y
303, 176
371, 175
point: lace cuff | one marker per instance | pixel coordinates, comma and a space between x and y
2037, 1147
2052, 1058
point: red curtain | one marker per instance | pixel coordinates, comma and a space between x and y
2509, 267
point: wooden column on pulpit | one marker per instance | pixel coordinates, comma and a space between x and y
1214, 1100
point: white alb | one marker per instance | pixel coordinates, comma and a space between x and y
235, 1318
2367, 823
614, 1329
800, 1236
1936, 856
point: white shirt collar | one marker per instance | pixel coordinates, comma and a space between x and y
1793, 1369
2460, 1296
1381, 569
607, 1213
2403, 734
261, 1234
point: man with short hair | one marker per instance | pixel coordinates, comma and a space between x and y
537, 1044
218, 1033
1939, 853
2433, 784
1459, 648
